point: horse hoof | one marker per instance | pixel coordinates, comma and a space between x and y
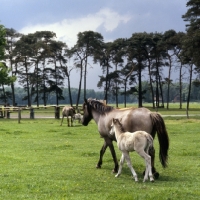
114, 171
156, 175
98, 167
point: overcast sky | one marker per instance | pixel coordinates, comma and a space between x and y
112, 18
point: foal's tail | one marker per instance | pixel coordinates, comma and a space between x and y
149, 141
160, 128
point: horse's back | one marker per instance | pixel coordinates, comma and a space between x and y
136, 119
67, 111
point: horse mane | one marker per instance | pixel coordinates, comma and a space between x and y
99, 106
121, 128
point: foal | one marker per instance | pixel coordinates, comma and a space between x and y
139, 141
78, 117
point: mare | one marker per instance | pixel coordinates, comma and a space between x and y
68, 111
133, 119
139, 141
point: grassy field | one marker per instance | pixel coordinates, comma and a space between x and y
42, 160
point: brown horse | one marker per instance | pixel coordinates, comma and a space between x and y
68, 112
133, 119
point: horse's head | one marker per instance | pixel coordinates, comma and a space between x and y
116, 123
87, 114
112, 130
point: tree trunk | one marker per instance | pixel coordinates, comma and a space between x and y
168, 83
80, 83
27, 83
140, 86
150, 82
85, 76
189, 90
180, 85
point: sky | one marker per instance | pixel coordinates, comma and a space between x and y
112, 18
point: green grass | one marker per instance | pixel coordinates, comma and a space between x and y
42, 160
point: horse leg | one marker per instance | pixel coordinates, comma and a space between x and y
68, 121
128, 160
120, 165
102, 151
112, 150
152, 154
71, 121
61, 121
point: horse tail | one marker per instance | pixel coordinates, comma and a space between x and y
160, 128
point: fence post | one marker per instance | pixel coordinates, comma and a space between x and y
19, 115
31, 113
57, 112
8, 114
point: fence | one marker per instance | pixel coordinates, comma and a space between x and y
30, 112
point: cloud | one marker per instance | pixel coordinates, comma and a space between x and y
67, 29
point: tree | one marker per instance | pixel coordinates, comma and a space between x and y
11, 37
191, 42
179, 59
104, 58
5, 79
57, 58
2, 41
170, 43
158, 54
193, 29
136, 51
42, 53
126, 72
118, 53
24, 51
88, 43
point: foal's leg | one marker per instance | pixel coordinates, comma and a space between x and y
128, 160
148, 171
71, 121
120, 165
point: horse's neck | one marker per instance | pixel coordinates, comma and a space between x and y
96, 116
118, 132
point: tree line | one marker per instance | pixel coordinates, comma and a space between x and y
40, 64
131, 98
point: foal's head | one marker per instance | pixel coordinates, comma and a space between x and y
116, 125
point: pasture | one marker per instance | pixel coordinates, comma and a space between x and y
42, 160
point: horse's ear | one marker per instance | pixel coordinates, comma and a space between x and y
120, 120
85, 100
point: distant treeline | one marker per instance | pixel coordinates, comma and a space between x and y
130, 98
